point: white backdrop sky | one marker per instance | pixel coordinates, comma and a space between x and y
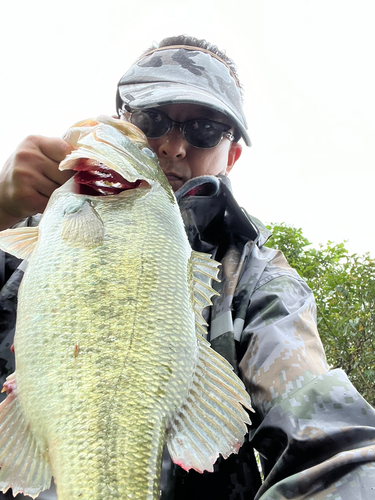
306, 65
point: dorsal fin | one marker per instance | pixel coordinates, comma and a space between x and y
205, 269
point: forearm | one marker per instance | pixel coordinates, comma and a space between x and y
319, 441
316, 433
284, 350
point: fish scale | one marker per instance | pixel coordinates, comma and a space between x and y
127, 339
113, 379
109, 362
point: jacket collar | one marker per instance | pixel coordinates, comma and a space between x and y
212, 216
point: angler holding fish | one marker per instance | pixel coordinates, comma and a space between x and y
146, 376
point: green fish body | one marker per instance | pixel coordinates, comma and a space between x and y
110, 361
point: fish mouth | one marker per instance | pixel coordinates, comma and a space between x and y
97, 179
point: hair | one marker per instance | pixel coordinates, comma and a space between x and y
203, 44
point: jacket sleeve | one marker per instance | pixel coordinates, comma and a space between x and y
11, 273
315, 433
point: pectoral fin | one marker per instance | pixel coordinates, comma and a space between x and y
20, 241
25, 467
82, 225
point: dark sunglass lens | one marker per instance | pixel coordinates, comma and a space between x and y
152, 123
204, 133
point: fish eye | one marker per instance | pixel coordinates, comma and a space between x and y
149, 152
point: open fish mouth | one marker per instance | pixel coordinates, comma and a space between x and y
96, 179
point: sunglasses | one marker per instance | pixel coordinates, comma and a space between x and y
200, 132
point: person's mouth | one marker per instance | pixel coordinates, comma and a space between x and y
173, 177
175, 180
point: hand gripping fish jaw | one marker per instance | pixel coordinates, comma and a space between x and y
98, 174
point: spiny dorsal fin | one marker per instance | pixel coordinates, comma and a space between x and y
205, 269
20, 241
212, 420
24, 466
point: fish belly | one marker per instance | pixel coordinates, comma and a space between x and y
106, 348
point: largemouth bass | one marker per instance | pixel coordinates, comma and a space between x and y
111, 360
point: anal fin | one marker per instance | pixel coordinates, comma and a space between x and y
25, 467
213, 419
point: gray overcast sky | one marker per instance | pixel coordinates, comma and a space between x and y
307, 69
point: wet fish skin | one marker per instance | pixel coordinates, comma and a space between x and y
106, 345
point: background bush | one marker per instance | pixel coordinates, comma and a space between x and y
344, 289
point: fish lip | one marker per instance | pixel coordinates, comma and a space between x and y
83, 154
142, 186
72, 188
96, 179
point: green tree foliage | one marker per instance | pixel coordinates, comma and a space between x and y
344, 289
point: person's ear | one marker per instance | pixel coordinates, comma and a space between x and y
234, 153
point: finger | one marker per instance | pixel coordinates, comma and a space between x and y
34, 202
58, 177
54, 148
46, 185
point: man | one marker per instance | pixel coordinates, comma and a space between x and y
315, 434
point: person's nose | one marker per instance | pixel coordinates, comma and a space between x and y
172, 145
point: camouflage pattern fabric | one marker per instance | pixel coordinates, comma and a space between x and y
315, 433
181, 74
11, 273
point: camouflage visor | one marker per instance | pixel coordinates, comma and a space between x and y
182, 74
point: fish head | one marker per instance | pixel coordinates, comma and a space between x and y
111, 156
114, 165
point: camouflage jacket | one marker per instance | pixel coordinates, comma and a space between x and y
314, 432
